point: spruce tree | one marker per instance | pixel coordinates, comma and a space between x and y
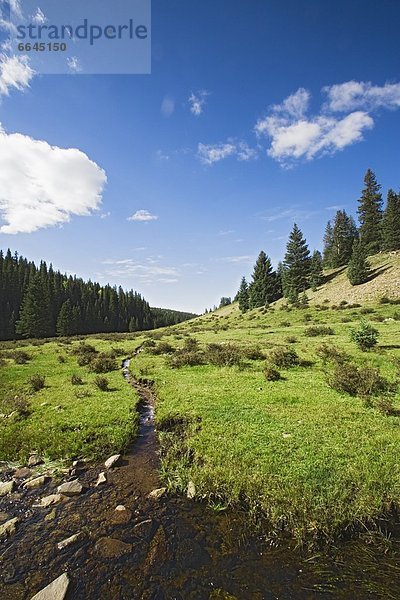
262, 289
370, 214
316, 273
65, 325
328, 246
296, 264
243, 296
35, 318
358, 270
391, 222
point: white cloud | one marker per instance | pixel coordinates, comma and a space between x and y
211, 153
74, 64
43, 185
295, 214
162, 155
142, 216
146, 273
39, 17
15, 73
105, 215
353, 95
236, 259
294, 136
167, 106
197, 102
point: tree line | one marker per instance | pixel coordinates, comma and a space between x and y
344, 244
39, 302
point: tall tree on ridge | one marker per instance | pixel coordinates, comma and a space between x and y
262, 289
358, 269
243, 295
296, 264
35, 317
316, 273
391, 222
370, 214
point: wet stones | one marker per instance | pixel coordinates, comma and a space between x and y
158, 553
23, 473
102, 478
6, 487
35, 460
69, 541
70, 488
50, 500
56, 590
35, 483
108, 547
121, 515
113, 461
156, 494
8, 528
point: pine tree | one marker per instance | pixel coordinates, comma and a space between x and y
296, 264
328, 246
35, 318
65, 325
243, 296
391, 222
262, 289
316, 273
370, 214
358, 270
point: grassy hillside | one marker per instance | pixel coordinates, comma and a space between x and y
311, 447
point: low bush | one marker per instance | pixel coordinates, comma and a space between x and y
102, 383
328, 352
76, 380
317, 330
80, 394
16, 402
271, 374
285, 324
37, 382
252, 353
366, 336
224, 355
20, 357
284, 357
161, 348
61, 359
385, 406
364, 382
291, 339
83, 348
102, 364
184, 358
367, 311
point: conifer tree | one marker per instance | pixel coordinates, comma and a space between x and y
370, 214
391, 222
35, 316
358, 270
296, 264
243, 296
328, 245
262, 289
316, 273
65, 325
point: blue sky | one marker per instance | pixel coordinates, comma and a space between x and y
256, 114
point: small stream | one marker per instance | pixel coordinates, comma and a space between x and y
171, 548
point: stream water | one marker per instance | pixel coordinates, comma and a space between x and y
170, 548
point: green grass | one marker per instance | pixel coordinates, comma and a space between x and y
305, 457
59, 424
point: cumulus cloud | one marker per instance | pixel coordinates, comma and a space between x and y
43, 185
197, 102
293, 135
211, 153
354, 95
15, 73
142, 216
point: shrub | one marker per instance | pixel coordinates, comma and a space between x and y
253, 353
291, 339
36, 382
102, 383
84, 348
162, 348
20, 357
307, 318
384, 300
184, 358
345, 320
284, 357
359, 381
80, 394
318, 330
328, 352
61, 359
271, 374
345, 378
367, 311
224, 355
84, 360
76, 380
385, 406
16, 403
284, 324
191, 345
102, 364
365, 336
